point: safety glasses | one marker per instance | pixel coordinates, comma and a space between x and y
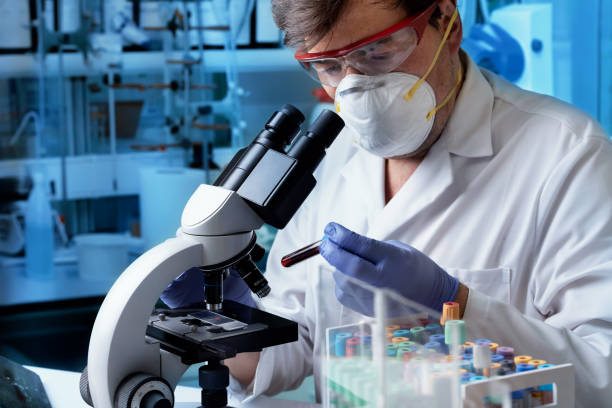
378, 54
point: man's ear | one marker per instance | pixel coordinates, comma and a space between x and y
447, 8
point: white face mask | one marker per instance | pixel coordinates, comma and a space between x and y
392, 114
386, 123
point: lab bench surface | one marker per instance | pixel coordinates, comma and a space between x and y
66, 283
62, 388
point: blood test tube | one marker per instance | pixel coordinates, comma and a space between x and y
547, 390
481, 359
507, 352
409, 344
440, 339
405, 353
340, 344
467, 357
522, 359
419, 334
497, 358
508, 364
434, 345
468, 346
352, 347
450, 311
366, 344
465, 378
301, 254
522, 367
401, 333
537, 363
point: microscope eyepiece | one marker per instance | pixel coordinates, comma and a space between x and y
326, 127
310, 147
281, 128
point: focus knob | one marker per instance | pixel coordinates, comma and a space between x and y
144, 391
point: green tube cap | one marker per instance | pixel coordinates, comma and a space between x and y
455, 332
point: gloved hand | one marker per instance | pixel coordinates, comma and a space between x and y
188, 289
383, 264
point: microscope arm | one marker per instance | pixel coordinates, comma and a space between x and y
118, 347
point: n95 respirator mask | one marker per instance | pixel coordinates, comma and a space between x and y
386, 123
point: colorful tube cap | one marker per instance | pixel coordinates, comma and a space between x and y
450, 311
455, 332
522, 367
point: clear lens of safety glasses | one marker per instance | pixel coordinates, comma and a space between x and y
375, 58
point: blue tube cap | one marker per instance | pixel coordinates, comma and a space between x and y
522, 367
465, 377
497, 358
401, 333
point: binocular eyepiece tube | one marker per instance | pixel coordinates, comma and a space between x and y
274, 181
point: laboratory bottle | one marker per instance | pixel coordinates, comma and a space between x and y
39, 231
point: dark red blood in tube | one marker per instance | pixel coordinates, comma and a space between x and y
301, 254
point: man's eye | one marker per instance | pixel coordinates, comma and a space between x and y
385, 40
379, 57
326, 67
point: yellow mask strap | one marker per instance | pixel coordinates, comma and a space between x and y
448, 97
416, 86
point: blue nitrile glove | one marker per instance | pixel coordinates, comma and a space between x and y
383, 264
188, 289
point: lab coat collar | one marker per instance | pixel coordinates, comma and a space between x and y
468, 131
364, 175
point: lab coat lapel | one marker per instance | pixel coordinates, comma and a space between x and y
364, 176
433, 176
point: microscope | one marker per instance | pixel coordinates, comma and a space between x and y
136, 357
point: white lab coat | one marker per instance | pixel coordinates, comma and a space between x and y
515, 200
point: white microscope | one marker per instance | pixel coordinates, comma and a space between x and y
136, 356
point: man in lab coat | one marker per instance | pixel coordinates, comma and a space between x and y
467, 187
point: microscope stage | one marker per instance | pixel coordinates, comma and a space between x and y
199, 334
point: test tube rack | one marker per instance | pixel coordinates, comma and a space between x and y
355, 381
562, 376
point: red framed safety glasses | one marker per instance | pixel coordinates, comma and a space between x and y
374, 55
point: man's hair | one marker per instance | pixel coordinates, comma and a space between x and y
306, 22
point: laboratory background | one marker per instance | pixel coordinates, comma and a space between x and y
112, 112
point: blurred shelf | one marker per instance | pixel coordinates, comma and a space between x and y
248, 60
18, 289
94, 176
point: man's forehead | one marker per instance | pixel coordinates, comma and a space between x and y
359, 19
